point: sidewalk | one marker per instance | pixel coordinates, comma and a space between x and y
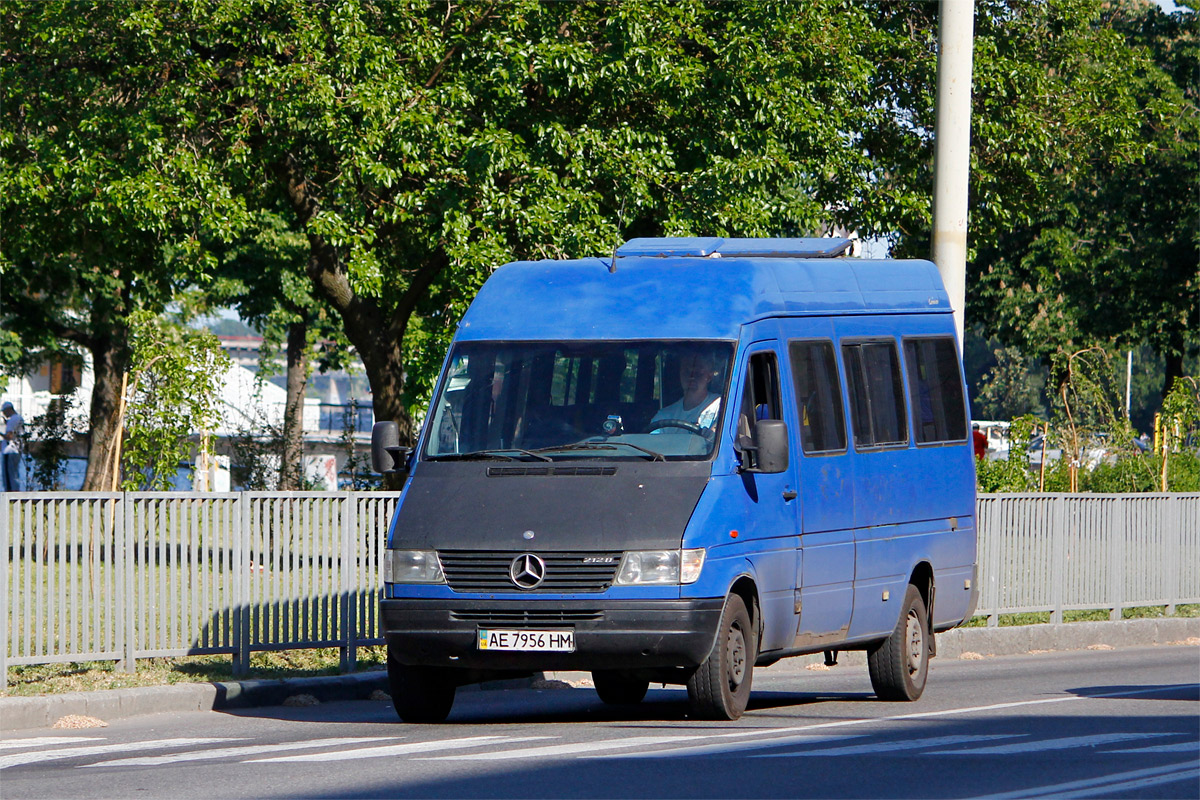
21, 713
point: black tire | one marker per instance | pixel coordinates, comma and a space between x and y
899, 665
720, 687
420, 694
618, 689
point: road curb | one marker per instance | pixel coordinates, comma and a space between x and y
21, 713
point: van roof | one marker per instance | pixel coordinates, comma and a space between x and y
696, 288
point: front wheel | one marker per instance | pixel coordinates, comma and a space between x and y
720, 687
899, 665
420, 694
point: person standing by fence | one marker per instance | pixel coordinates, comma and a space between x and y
14, 429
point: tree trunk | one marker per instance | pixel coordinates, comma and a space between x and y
291, 467
375, 333
1174, 359
109, 362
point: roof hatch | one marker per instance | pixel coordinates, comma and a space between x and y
708, 247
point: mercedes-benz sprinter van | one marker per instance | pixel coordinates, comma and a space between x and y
698, 457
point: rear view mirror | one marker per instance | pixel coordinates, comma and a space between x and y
769, 454
386, 453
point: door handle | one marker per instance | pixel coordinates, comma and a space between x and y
790, 495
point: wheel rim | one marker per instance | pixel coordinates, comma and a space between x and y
916, 643
736, 645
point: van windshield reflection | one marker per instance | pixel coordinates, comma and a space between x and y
645, 400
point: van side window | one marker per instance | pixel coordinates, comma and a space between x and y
818, 397
935, 390
760, 397
876, 394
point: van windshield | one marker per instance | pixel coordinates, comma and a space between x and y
644, 400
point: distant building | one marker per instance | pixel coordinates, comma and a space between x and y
333, 402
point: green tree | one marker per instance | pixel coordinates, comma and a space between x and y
174, 393
103, 195
1111, 255
261, 274
419, 145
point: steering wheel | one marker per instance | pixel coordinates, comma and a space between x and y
690, 427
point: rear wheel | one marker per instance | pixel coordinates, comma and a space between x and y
420, 694
899, 665
720, 687
618, 689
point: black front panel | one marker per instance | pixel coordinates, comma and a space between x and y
566, 507
489, 571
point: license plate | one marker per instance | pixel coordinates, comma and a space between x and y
519, 640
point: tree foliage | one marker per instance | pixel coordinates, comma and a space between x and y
1111, 254
174, 393
411, 147
104, 195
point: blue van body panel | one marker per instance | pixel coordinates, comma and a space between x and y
693, 298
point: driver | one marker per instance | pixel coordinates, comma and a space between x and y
698, 406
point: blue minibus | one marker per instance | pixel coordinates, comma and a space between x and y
695, 458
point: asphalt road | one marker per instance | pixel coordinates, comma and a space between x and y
1122, 723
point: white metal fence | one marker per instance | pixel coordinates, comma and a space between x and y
122, 576
1063, 552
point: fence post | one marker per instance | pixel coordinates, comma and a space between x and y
128, 581
990, 569
1058, 559
1116, 558
349, 574
1172, 550
241, 580
6, 624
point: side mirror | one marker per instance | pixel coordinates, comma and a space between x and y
770, 453
386, 453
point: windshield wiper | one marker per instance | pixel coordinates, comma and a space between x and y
653, 456
500, 452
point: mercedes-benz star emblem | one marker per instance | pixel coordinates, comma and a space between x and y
527, 571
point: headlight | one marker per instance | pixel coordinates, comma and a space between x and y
412, 566
660, 567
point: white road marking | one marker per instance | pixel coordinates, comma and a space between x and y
1043, 745
550, 751
1107, 784
888, 747
950, 712
41, 741
17, 759
400, 749
1178, 747
242, 750
734, 747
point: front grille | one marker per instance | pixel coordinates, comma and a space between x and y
487, 571
525, 617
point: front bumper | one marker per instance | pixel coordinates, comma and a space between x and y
609, 634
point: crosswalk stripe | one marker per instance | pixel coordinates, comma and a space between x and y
1178, 747
18, 759
1050, 744
42, 741
887, 747
241, 750
733, 747
400, 749
565, 749
1091, 787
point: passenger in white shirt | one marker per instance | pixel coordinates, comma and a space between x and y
698, 406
